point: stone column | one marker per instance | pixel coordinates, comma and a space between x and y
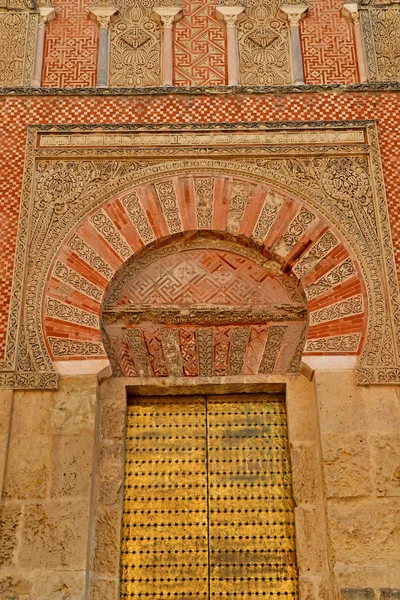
230, 15
295, 12
350, 9
167, 15
103, 16
46, 14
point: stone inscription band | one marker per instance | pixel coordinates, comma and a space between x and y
208, 508
354, 136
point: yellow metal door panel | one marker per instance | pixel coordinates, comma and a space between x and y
252, 544
208, 510
164, 538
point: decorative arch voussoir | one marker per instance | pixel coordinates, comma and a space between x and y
220, 213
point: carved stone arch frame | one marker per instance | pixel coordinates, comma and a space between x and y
315, 571
303, 158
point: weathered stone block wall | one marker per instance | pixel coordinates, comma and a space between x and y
60, 528
360, 443
105, 531
45, 510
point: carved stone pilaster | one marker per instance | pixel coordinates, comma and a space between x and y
230, 15
350, 9
295, 12
47, 14
103, 14
167, 15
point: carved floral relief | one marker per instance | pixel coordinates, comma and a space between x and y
135, 46
17, 47
381, 29
263, 38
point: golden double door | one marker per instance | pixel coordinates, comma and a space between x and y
208, 508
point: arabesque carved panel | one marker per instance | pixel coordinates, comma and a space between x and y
17, 47
381, 27
135, 46
263, 38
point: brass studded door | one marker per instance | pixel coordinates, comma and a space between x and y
208, 508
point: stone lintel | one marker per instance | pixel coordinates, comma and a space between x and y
204, 315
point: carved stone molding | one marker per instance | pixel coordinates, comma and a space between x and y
374, 86
340, 188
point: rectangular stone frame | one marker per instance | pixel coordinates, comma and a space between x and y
13, 373
316, 579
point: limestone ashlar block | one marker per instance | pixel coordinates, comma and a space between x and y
347, 465
103, 589
54, 535
5, 417
305, 472
31, 412
393, 578
9, 524
386, 459
74, 403
5, 410
315, 587
389, 594
340, 402
106, 556
357, 594
301, 411
382, 408
360, 576
28, 467
112, 419
71, 466
366, 531
14, 586
110, 473
310, 546
59, 584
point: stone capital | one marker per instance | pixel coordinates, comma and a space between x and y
294, 12
230, 15
102, 14
167, 15
351, 10
46, 14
